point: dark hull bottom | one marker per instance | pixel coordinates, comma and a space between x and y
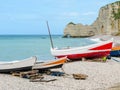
16, 69
57, 66
115, 53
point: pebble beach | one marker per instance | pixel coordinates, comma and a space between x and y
101, 76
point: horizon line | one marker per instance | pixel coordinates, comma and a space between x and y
29, 34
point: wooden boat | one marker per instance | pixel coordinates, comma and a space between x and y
116, 48
22, 65
115, 52
97, 50
50, 64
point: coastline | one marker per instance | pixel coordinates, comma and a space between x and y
101, 76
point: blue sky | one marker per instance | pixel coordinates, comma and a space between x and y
29, 16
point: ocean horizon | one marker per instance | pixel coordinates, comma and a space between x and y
19, 47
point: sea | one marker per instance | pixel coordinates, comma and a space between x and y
19, 47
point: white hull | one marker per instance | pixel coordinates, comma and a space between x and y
22, 65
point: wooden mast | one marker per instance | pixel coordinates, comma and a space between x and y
50, 35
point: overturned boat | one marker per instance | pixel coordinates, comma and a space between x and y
22, 65
100, 49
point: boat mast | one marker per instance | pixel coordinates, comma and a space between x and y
50, 35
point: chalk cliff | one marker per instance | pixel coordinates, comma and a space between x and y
108, 22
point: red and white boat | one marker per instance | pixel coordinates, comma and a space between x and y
97, 50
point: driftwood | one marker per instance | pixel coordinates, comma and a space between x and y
39, 76
80, 76
16, 74
42, 80
28, 73
36, 76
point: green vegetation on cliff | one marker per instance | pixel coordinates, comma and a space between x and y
116, 14
71, 23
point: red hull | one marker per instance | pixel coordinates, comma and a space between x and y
86, 55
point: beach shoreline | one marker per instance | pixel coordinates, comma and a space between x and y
101, 76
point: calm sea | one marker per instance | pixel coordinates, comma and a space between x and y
18, 47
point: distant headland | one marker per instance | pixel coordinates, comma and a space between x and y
107, 23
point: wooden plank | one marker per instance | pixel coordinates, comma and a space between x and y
80, 76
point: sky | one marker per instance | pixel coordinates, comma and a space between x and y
30, 16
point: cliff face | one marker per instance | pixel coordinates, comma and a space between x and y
108, 22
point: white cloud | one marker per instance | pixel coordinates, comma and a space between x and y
71, 14
89, 13
77, 14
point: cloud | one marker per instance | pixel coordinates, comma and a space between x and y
70, 14
76, 15
89, 13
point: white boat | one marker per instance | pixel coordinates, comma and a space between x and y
97, 50
20, 65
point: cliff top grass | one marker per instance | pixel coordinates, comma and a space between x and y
116, 14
